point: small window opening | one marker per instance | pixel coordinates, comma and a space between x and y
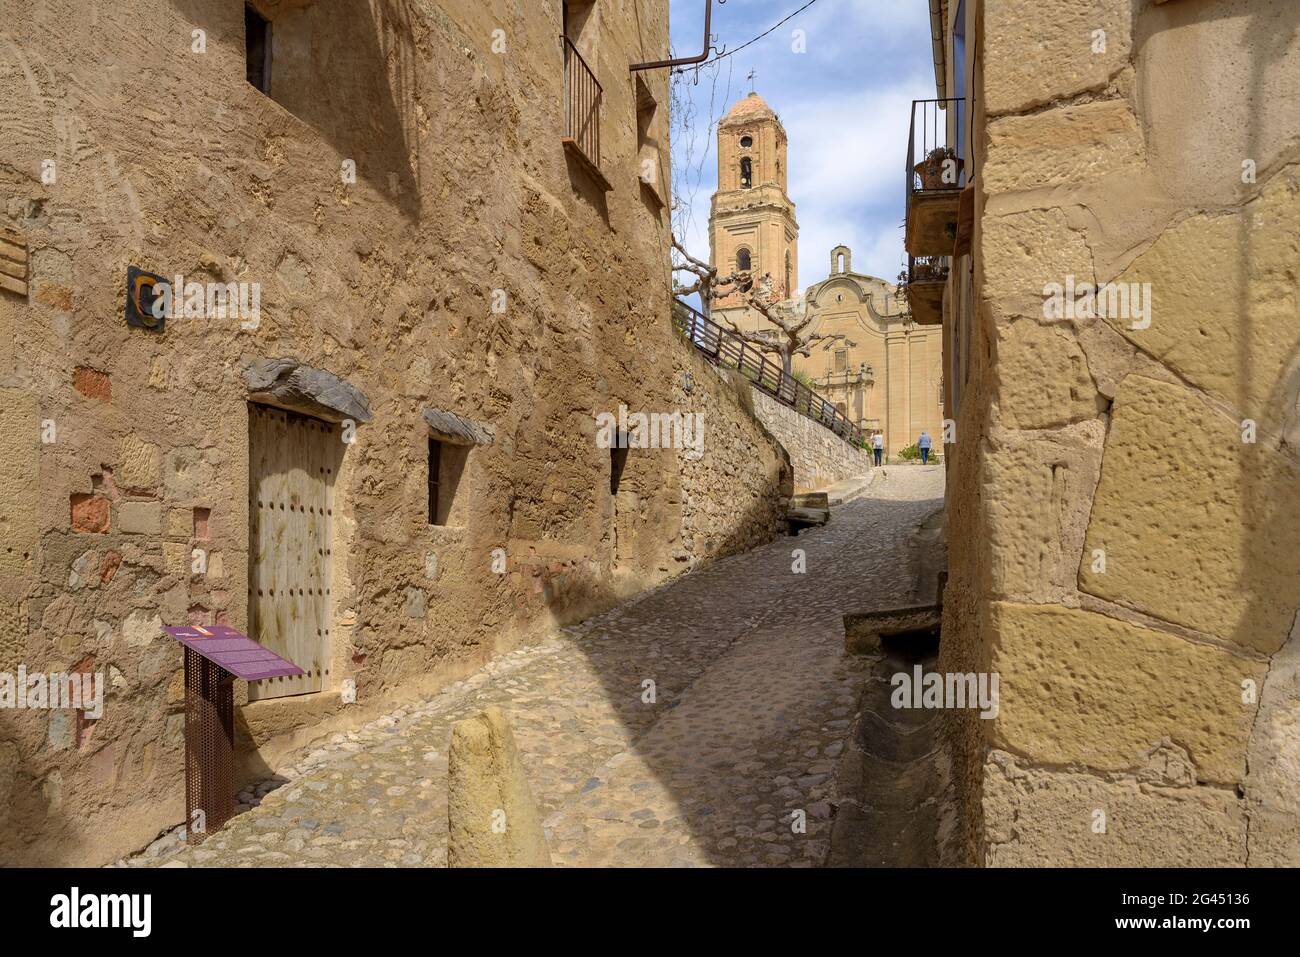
746, 173
446, 464
746, 142
743, 260
257, 49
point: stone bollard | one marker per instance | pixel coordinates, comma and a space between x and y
492, 818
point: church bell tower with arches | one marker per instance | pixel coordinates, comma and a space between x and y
752, 225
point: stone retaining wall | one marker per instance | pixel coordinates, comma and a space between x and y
819, 456
735, 488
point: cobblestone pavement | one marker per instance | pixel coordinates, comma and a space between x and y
753, 697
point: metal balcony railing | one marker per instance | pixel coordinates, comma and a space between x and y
928, 268
934, 160
582, 100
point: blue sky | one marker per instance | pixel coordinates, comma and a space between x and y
845, 105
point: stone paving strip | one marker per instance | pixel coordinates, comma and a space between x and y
751, 701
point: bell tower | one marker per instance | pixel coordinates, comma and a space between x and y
752, 225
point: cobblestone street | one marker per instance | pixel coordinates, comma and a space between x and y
753, 699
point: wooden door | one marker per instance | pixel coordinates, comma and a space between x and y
293, 460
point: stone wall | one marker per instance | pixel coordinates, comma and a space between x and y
736, 487
818, 456
471, 265
1122, 490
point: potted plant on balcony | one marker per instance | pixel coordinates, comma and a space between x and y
929, 269
931, 169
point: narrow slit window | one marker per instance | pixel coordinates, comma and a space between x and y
257, 49
435, 467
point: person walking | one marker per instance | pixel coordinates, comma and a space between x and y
878, 446
924, 443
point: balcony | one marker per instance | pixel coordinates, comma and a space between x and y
926, 278
936, 175
582, 101
843, 380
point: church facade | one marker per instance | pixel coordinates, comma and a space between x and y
886, 373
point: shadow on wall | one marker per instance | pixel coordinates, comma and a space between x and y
587, 188
349, 70
35, 800
1272, 777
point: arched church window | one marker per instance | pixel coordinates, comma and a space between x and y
746, 172
746, 142
743, 262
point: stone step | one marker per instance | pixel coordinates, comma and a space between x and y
800, 518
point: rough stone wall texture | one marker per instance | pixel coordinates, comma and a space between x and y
735, 488
473, 266
1159, 690
819, 456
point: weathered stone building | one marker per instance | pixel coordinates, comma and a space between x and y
452, 259
1123, 478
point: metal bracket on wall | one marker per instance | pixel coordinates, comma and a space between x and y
685, 61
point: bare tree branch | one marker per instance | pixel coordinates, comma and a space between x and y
709, 285
790, 318
756, 338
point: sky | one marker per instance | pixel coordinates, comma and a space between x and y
845, 105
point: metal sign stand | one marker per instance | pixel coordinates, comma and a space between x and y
209, 746
215, 655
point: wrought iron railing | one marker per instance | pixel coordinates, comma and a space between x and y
726, 349
582, 98
933, 139
928, 268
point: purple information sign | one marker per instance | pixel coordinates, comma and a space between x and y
238, 654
